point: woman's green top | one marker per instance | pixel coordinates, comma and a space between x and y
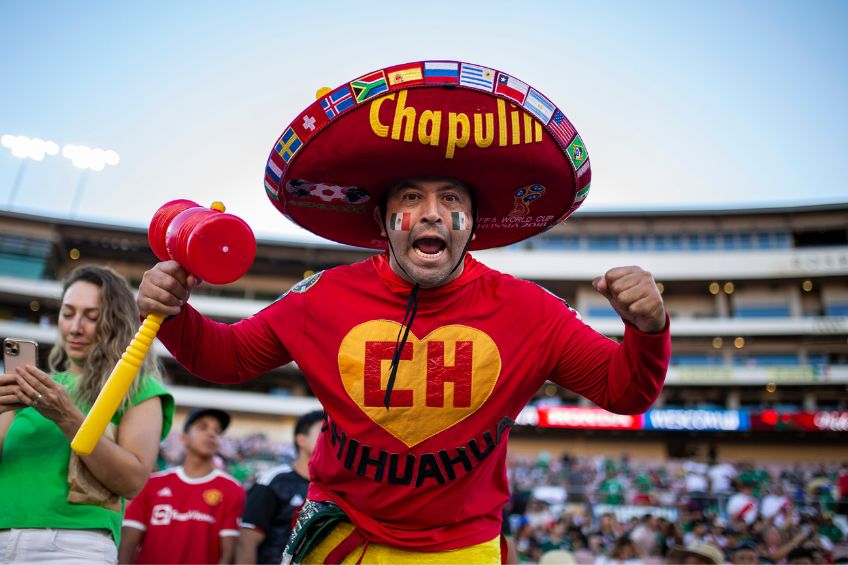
34, 469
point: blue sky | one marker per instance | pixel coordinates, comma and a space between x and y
681, 103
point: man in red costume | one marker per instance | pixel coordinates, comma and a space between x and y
421, 355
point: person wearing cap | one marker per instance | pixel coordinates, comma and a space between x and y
188, 514
422, 356
275, 497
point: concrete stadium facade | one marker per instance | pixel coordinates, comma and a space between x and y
758, 300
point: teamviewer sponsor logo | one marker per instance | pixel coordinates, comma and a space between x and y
161, 515
164, 514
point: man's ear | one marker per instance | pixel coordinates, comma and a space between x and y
378, 217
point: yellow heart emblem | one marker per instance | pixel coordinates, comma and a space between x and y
441, 379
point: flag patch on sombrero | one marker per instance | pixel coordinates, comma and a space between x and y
369, 86
539, 106
577, 152
310, 121
337, 102
511, 87
271, 190
505, 140
443, 72
288, 144
584, 192
274, 171
475, 76
562, 128
405, 74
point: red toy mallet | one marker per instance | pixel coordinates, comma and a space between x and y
208, 243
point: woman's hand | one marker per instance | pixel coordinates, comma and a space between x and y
9, 394
122, 466
37, 389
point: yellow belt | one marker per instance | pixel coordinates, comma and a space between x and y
488, 552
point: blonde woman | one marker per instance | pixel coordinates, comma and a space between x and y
58, 507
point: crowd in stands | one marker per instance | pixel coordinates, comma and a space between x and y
604, 510
617, 510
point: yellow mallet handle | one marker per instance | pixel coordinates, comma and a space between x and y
116, 387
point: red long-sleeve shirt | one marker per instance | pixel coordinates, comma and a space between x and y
429, 472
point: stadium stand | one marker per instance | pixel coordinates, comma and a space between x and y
755, 404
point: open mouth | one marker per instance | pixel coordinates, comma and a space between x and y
429, 247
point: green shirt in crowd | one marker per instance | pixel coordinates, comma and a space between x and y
611, 491
34, 469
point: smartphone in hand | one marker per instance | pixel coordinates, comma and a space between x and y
17, 352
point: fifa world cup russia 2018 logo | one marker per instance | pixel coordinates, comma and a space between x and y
525, 196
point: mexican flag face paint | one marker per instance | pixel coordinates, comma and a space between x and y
459, 221
400, 221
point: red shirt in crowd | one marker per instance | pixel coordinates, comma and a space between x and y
429, 473
183, 518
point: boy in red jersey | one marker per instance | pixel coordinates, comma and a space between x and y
422, 356
188, 514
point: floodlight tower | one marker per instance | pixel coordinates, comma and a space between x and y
26, 149
87, 159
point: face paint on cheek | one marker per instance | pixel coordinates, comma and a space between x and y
400, 221
459, 221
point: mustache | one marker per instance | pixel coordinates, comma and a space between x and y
434, 230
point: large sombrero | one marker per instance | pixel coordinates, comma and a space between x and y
517, 151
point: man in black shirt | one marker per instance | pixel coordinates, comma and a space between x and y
273, 500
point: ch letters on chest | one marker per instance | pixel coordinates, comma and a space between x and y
443, 377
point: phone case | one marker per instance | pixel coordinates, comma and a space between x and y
17, 352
